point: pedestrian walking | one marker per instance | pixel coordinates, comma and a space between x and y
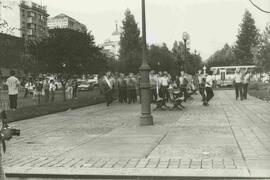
201, 84
52, 90
106, 87
122, 88
27, 87
13, 90
238, 80
75, 88
246, 82
69, 89
183, 82
39, 86
209, 88
46, 87
35, 96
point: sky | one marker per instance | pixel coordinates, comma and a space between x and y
210, 23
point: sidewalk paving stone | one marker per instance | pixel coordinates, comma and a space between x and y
227, 139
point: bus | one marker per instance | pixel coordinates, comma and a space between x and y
224, 75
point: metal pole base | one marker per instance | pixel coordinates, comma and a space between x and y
146, 120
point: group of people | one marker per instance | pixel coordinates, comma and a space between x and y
163, 85
40, 87
37, 88
241, 82
127, 87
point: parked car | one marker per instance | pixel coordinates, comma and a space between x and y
85, 86
93, 80
58, 85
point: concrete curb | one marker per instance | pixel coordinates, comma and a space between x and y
128, 173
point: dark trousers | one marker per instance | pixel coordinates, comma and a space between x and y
39, 96
74, 92
164, 92
26, 92
13, 101
47, 95
109, 97
132, 95
202, 93
184, 93
245, 90
52, 96
209, 93
154, 94
122, 94
238, 90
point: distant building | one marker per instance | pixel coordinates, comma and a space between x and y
64, 21
26, 18
112, 45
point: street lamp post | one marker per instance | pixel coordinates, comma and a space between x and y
185, 37
146, 117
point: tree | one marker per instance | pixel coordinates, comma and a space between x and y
247, 39
130, 44
66, 53
160, 58
222, 57
263, 51
193, 60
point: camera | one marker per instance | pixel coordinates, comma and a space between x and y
6, 128
15, 132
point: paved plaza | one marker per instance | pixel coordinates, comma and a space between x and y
227, 139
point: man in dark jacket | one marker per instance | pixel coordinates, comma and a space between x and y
106, 88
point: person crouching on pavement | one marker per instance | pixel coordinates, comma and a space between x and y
105, 87
209, 88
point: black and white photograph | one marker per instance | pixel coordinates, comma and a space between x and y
134, 89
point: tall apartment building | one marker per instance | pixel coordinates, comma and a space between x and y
64, 21
27, 19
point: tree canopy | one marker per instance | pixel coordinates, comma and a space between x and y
130, 44
66, 53
247, 38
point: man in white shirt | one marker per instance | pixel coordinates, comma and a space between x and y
13, 90
208, 88
164, 82
238, 84
201, 82
183, 82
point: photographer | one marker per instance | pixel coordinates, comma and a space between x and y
4, 135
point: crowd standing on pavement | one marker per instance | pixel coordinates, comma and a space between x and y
126, 87
163, 86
